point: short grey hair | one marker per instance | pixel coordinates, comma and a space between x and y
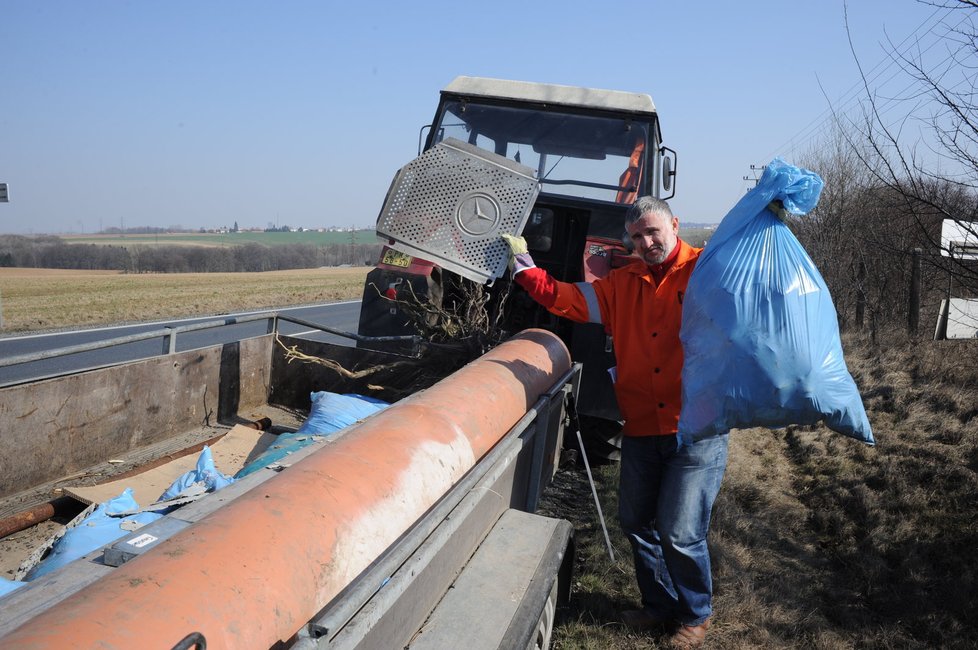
645, 205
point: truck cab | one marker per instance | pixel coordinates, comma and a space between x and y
593, 153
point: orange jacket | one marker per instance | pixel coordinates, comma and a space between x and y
644, 321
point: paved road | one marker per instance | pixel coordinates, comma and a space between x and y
342, 316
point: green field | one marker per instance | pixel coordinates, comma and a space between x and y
315, 238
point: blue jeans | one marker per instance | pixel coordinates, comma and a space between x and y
665, 497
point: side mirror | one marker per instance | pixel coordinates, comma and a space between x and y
421, 137
669, 164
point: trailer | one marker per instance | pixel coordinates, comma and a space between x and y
411, 528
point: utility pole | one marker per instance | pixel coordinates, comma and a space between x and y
913, 307
353, 245
753, 178
3, 199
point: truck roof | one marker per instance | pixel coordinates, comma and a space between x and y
613, 100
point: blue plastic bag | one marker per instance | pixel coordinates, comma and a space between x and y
332, 411
329, 413
205, 472
98, 529
760, 334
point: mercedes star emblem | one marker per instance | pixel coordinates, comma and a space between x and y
477, 213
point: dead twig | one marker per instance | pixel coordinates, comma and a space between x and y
453, 331
293, 354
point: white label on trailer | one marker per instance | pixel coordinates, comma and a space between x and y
142, 540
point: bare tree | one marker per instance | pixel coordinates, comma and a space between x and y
827, 231
933, 177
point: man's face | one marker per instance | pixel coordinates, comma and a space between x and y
654, 237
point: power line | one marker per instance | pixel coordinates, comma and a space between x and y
852, 93
851, 96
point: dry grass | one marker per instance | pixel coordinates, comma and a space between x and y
817, 540
42, 299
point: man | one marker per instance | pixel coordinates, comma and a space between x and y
666, 493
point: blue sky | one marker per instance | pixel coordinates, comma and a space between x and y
201, 114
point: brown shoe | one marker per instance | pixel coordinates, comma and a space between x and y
688, 637
642, 620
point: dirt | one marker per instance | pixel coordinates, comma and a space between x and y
16, 548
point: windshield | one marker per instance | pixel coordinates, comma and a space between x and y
584, 156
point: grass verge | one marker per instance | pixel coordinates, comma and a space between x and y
817, 540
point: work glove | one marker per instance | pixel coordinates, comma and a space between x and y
519, 255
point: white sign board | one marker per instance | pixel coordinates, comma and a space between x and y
958, 319
959, 239
3, 192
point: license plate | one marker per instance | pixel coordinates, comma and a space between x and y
396, 258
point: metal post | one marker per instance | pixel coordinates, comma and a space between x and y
913, 311
169, 341
536, 482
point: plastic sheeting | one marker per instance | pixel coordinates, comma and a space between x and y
760, 333
329, 413
205, 473
6, 586
332, 411
103, 526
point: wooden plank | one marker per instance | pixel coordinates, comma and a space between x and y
232, 452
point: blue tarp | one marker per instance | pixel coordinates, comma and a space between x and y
760, 334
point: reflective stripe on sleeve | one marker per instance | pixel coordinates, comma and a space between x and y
591, 298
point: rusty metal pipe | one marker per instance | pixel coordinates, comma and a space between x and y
26, 518
252, 573
60, 506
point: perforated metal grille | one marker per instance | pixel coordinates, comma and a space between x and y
450, 205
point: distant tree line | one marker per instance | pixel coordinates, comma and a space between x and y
53, 253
